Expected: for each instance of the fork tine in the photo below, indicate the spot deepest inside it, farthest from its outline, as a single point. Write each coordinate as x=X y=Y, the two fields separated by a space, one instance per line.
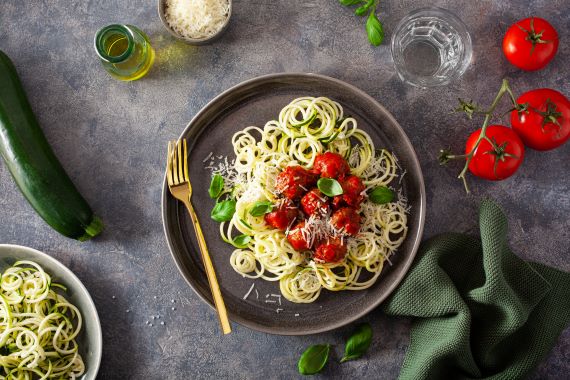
x=186 y=176
x=174 y=163
x=181 y=160
x=169 y=165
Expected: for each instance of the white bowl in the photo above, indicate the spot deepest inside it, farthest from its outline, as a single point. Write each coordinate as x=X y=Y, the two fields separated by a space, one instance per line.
x=90 y=339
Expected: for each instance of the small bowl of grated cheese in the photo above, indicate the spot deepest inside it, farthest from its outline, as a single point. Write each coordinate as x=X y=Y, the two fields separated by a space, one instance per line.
x=196 y=22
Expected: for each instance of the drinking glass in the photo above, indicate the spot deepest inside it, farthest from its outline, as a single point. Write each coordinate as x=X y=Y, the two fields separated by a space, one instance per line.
x=124 y=51
x=431 y=47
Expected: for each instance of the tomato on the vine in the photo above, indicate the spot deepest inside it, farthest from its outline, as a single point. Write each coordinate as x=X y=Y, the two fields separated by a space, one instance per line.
x=543 y=120
x=531 y=43
x=498 y=155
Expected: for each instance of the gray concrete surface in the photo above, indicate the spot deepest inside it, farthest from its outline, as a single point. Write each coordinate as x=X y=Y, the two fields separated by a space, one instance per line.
x=111 y=136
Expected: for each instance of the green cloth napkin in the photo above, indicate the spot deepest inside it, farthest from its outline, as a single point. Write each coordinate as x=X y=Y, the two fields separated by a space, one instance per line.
x=479 y=311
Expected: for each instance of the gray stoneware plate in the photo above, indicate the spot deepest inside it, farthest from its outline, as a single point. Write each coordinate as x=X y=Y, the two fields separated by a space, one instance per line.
x=90 y=339
x=254 y=102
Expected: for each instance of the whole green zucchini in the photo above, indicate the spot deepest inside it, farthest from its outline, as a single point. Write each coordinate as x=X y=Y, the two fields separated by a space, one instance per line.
x=35 y=168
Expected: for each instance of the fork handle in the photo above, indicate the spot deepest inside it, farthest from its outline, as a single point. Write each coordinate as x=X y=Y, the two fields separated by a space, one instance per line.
x=210 y=272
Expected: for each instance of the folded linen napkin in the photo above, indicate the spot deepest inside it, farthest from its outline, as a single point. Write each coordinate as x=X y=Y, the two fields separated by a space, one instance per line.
x=480 y=312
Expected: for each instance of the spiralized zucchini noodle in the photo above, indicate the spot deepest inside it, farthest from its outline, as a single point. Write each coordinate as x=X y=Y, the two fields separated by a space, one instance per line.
x=38 y=326
x=306 y=127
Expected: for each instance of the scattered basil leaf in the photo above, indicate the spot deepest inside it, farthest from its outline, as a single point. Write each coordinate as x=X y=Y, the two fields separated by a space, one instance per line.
x=329 y=187
x=348 y=3
x=261 y=208
x=314 y=359
x=224 y=210
x=358 y=343
x=381 y=195
x=241 y=241
x=361 y=11
x=216 y=186
x=374 y=29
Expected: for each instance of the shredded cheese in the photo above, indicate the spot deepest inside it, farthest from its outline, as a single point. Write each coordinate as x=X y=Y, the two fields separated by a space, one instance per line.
x=197 y=18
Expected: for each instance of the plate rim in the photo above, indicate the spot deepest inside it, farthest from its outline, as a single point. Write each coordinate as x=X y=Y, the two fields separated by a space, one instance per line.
x=69 y=272
x=417 y=238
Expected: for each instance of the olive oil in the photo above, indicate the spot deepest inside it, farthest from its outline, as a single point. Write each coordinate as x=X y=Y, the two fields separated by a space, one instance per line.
x=125 y=51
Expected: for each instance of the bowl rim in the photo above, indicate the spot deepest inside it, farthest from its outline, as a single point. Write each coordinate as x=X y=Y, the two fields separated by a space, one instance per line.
x=92 y=374
x=188 y=40
x=417 y=237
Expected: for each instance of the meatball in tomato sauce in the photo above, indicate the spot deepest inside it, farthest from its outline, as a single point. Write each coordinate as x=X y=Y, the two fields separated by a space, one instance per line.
x=294 y=181
x=347 y=220
x=330 y=165
x=330 y=251
x=297 y=236
x=283 y=215
x=315 y=202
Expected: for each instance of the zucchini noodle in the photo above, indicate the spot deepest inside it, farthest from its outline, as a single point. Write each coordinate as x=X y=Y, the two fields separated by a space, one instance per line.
x=38 y=326
x=306 y=127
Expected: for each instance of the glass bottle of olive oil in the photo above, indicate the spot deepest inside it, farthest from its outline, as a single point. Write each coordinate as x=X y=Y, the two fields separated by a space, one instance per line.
x=125 y=51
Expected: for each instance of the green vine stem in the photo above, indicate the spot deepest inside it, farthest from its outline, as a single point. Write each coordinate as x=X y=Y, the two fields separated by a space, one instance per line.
x=446 y=156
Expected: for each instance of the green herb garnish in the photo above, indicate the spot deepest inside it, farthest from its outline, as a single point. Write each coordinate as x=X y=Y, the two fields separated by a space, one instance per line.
x=216 y=186
x=261 y=208
x=374 y=28
x=224 y=211
x=314 y=359
x=329 y=187
x=358 y=343
x=241 y=241
x=381 y=195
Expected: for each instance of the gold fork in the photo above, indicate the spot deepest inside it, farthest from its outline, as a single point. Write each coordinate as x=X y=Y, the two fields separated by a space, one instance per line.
x=181 y=189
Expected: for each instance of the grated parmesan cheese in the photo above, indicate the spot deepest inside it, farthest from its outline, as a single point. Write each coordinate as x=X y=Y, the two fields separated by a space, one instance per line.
x=197 y=18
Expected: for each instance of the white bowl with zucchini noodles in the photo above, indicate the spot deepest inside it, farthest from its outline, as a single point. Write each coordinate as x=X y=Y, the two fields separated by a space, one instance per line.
x=49 y=326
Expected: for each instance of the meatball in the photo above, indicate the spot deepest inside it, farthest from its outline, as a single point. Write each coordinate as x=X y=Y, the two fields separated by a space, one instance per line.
x=315 y=202
x=346 y=219
x=331 y=165
x=282 y=216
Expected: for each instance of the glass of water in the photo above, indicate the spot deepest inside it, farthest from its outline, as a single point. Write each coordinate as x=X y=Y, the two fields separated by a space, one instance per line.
x=431 y=47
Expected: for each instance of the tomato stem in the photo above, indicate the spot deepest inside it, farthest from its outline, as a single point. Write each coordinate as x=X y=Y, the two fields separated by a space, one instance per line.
x=483 y=134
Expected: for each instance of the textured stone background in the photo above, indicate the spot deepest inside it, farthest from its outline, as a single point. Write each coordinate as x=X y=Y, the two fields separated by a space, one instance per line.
x=110 y=137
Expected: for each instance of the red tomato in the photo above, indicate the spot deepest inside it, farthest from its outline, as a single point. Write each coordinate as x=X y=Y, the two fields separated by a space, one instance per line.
x=545 y=124
x=315 y=202
x=330 y=165
x=499 y=161
x=347 y=220
x=297 y=236
x=531 y=43
x=294 y=181
x=283 y=216
x=330 y=251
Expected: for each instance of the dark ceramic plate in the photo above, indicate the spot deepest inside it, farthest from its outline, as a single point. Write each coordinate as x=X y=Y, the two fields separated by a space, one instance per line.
x=254 y=102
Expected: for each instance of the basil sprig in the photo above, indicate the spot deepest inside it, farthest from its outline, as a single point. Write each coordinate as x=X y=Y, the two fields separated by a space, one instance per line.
x=381 y=195
x=241 y=241
x=358 y=343
x=224 y=211
x=261 y=208
x=329 y=187
x=216 y=186
x=314 y=359
x=374 y=28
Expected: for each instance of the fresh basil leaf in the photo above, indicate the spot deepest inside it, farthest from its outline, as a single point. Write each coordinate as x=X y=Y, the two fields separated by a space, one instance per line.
x=241 y=241
x=381 y=195
x=361 y=11
x=314 y=359
x=224 y=210
x=374 y=29
x=348 y=3
x=261 y=208
x=329 y=186
x=216 y=186
x=358 y=343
